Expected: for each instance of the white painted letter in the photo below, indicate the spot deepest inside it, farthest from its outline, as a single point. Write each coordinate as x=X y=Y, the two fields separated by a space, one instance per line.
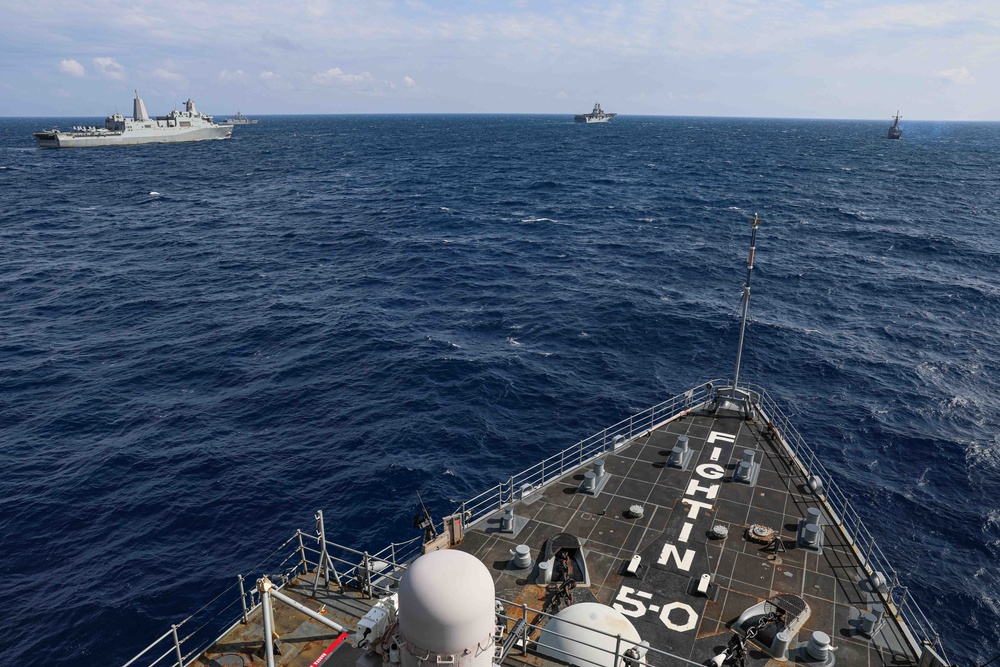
x=711 y=471
x=724 y=437
x=670 y=551
x=640 y=607
x=689 y=624
x=694 y=487
x=695 y=506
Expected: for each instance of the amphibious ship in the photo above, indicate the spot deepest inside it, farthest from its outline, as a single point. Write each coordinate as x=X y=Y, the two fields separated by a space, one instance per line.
x=894 y=131
x=598 y=115
x=701 y=531
x=187 y=125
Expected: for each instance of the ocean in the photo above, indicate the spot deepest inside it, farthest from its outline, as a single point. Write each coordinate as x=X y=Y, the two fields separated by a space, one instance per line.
x=202 y=344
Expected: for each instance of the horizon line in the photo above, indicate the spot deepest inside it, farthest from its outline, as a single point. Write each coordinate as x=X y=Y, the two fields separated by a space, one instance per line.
x=565 y=114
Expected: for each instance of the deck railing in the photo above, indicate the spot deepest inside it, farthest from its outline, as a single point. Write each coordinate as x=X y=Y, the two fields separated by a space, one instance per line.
x=588 y=449
x=298 y=555
x=375 y=573
x=871 y=555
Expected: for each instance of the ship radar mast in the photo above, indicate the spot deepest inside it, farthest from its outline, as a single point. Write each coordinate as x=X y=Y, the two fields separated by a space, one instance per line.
x=746 y=299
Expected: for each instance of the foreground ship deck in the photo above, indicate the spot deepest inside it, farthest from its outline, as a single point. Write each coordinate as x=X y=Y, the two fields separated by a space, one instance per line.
x=849 y=589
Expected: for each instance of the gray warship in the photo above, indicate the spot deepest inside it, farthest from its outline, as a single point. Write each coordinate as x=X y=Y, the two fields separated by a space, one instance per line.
x=187 y=125
x=894 y=131
x=700 y=531
x=598 y=115
x=238 y=119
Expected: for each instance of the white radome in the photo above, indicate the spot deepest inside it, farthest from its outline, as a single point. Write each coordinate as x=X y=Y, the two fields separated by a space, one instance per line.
x=447 y=607
x=564 y=639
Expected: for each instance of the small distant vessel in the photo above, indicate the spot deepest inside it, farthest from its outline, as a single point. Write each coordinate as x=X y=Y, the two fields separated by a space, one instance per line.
x=598 y=115
x=187 y=125
x=894 y=131
x=238 y=119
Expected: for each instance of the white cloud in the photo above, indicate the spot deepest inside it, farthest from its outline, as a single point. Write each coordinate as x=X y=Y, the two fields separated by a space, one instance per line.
x=274 y=81
x=959 y=75
x=168 y=75
x=110 y=68
x=335 y=75
x=410 y=83
x=72 y=68
x=238 y=75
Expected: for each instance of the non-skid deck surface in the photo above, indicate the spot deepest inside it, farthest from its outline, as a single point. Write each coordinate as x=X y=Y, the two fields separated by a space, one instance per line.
x=672 y=537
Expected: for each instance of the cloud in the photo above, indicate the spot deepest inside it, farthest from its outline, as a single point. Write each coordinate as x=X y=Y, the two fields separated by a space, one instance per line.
x=72 y=68
x=274 y=81
x=561 y=95
x=410 y=83
x=335 y=75
x=280 y=42
x=110 y=68
x=238 y=75
x=959 y=75
x=168 y=75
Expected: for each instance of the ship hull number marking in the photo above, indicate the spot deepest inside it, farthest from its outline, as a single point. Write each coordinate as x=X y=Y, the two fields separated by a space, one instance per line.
x=678 y=616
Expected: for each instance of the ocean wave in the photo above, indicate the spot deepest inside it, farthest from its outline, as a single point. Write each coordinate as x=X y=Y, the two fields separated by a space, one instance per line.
x=166 y=357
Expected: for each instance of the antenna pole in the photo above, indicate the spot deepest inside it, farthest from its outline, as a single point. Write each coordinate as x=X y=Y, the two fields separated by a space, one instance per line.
x=746 y=299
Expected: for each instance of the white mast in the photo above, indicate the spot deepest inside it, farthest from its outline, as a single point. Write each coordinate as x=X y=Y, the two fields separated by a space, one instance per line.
x=746 y=299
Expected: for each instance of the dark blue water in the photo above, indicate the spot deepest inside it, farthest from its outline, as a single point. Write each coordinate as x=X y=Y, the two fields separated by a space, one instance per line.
x=338 y=312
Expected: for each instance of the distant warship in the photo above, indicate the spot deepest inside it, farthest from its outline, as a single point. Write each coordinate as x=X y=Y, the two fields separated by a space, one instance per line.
x=596 y=116
x=894 y=131
x=187 y=125
x=238 y=119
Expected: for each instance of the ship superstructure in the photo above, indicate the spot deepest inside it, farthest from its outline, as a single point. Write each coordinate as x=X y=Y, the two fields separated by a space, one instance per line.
x=598 y=115
x=701 y=531
x=187 y=125
x=894 y=131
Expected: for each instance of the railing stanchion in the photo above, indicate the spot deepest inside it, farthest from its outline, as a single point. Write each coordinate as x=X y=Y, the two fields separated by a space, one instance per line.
x=243 y=600
x=177 y=647
x=524 y=630
x=618 y=648
x=302 y=550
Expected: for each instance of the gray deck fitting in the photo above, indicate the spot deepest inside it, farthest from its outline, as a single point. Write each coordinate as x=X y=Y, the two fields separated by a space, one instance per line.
x=494 y=523
x=684 y=456
x=681 y=455
x=749 y=467
x=600 y=483
x=801 y=541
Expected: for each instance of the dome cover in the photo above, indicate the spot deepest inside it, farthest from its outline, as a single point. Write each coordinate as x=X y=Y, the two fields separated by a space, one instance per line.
x=447 y=605
x=567 y=642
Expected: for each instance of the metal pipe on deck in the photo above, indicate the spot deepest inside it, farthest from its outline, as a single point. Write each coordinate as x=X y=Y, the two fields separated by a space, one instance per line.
x=277 y=595
x=264 y=586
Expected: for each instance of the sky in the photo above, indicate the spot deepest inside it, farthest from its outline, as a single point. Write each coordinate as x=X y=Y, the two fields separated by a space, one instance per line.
x=937 y=60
